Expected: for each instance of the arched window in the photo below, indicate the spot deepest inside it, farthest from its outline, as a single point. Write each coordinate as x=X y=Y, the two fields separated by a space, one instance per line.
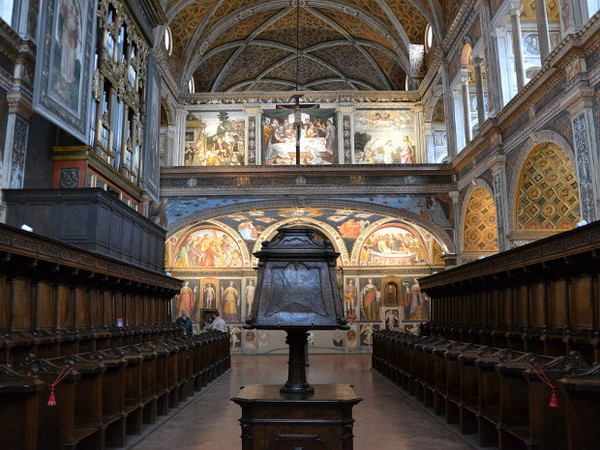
x=428 y=38
x=191 y=85
x=168 y=41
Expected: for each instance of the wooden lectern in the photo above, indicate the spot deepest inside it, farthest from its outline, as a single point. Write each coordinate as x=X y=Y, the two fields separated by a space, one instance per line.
x=297 y=291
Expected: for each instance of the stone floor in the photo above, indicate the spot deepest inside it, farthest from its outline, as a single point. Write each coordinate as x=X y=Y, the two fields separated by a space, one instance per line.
x=385 y=419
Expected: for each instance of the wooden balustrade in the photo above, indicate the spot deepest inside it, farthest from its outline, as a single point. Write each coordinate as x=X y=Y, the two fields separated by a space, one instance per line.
x=497 y=394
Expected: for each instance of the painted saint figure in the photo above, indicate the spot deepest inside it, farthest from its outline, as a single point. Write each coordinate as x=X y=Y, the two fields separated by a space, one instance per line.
x=370 y=301
x=350 y=298
x=210 y=296
x=187 y=299
x=230 y=302
x=249 y=292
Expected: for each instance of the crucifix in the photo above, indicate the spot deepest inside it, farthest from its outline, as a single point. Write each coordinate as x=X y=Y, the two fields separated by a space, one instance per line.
x=297 y=110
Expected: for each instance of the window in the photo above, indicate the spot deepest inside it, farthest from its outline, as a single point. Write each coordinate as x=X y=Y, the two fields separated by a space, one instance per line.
x=191 y=85
x=168 y=41
x=6 y=10
x=428 y=38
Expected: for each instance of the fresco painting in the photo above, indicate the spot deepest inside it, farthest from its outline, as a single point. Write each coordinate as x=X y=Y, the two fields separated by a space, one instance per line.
x=417 y=304
x=384 y=137
x=392 y=245
x=204 y=257
x=187 y=300
x=206 y=247
x=231 y=299
x=318 y=137
x=215 y=139
x=370 y=298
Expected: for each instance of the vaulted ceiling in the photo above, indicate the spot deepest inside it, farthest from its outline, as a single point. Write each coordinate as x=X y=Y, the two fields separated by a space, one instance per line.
x=318 y=45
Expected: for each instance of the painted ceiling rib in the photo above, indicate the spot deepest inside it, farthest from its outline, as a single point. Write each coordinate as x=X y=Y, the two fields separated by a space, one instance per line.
x=194 y=51
x=249 y=40
x=353 y=41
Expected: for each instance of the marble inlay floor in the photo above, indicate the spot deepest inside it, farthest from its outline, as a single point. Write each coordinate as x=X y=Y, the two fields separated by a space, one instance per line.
x=385 y=419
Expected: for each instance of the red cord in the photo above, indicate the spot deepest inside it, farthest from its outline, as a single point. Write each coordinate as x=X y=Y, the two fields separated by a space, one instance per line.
x=61 y=376
x=537 y=369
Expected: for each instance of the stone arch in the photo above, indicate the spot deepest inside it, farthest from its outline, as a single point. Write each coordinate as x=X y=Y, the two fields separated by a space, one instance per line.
x=436 y=231
x=478 y=226
x=185 y=235
x=331 y=233
x=546 y=192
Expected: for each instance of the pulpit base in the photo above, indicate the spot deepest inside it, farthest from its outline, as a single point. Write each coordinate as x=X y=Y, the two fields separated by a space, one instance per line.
x=275 y=421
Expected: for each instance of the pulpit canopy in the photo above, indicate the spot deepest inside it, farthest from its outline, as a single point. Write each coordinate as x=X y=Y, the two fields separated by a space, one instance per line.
x=297 y=285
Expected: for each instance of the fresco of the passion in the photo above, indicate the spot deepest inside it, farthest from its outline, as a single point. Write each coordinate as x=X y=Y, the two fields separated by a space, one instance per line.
x=392 y=245
x=384 y=137
x=215 y=139
x=318 y=137
x=205 y=247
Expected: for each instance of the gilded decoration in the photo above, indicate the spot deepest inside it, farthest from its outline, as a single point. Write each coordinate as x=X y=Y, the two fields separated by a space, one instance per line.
x=410 y=17
x=211 y=69
x=450 y=9
x=313 y=30
x=358 y=28
x=184 y=25
x=528 y=11
x=243 y=29
x=249 y=64
x=547 y=192
x=390 y=67
x=480 y=230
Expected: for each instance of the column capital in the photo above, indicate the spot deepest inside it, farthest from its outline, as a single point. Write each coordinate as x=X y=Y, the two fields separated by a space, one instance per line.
x=454 y=195
x=18 y=104
x=252 y=111
x=345 y=110
x=464 y=76
x=418 y=109
x=515 y=8
x=477 y=61
x=181 y=112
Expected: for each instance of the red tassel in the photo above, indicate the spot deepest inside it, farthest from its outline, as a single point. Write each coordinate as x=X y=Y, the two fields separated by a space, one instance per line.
x=51 y=397
x=553 y=399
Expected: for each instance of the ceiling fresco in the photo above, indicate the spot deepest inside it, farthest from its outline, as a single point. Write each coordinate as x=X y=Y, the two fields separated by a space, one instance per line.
x=252 y=45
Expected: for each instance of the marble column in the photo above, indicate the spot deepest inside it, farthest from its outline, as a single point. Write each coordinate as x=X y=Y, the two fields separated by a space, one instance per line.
x=420 y=140
x=517 y=42
x=466 y=103
x=449 y=111
x=177 y=152
x=479 y=91
x=541 y=17
x=429 y=143
x=501 y=201
x=492 y=67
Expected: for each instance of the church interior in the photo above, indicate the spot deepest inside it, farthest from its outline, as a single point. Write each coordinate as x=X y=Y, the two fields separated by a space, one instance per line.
x=449 y=151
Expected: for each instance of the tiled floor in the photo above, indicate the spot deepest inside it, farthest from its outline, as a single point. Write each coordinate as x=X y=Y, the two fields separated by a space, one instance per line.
x=385 y=419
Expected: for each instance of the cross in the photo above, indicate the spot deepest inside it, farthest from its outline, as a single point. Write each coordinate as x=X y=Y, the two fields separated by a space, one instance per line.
x=296 y=108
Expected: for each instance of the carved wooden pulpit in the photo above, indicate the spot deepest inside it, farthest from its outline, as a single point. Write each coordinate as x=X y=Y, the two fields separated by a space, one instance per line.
x=297 y=291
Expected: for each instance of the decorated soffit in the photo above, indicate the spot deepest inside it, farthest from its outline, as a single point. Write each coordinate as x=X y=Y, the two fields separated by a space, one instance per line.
x=248 y=45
